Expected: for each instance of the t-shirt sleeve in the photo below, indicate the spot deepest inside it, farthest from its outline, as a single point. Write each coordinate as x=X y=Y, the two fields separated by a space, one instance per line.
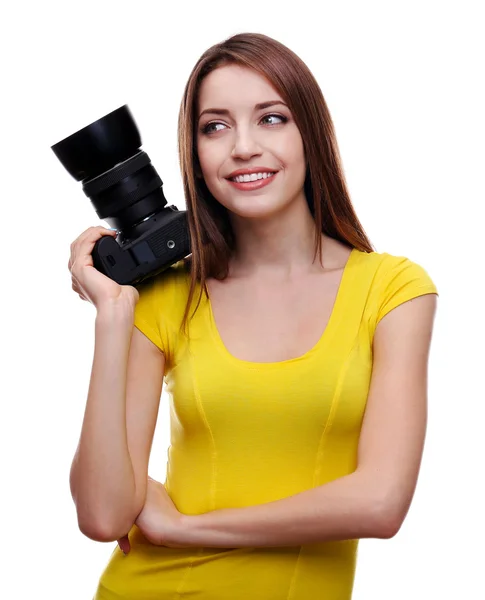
x=402 y=280
x=153 y=310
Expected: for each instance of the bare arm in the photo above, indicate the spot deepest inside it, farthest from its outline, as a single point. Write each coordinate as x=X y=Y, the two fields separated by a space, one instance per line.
x=110 y=468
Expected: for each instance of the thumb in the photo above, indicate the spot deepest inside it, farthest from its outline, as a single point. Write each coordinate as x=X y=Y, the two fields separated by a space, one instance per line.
x=124 y=544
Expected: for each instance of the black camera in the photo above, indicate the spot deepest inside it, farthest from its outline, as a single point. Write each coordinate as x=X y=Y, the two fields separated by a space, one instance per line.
x=126 y=191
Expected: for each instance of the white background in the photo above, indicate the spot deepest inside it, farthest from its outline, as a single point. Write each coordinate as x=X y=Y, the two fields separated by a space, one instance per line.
x=403 y=82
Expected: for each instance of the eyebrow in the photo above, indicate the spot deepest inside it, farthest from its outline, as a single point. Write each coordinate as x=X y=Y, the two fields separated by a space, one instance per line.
x=261 y=106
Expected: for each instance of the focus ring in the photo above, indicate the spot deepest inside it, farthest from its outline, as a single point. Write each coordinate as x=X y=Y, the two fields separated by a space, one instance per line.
x=116 y=174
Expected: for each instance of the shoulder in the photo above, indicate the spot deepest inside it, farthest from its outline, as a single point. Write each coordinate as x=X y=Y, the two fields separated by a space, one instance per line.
x=390 y=269
x=394 y=279
x=164 y=290
x=160 y=308
x=168 y=280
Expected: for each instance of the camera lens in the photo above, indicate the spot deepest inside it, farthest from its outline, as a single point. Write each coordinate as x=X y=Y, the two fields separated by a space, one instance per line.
x=118 y=178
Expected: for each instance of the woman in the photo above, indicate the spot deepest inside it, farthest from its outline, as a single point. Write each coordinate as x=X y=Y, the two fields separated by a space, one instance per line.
x=295 y=363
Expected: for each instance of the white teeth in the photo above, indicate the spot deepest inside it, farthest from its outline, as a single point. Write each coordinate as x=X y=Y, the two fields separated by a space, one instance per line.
x=252 y=177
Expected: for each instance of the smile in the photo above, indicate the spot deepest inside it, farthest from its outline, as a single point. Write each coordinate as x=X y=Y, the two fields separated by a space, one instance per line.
x=255 y=184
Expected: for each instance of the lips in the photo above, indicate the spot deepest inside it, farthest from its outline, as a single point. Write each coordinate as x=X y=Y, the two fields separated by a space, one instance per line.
x=253 y=185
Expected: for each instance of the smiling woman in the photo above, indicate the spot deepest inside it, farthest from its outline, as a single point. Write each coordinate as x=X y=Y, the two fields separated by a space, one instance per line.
x=291 y=378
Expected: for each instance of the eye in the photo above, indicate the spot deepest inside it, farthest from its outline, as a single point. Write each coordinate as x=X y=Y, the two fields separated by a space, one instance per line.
x=206 y=129
x=282 y=119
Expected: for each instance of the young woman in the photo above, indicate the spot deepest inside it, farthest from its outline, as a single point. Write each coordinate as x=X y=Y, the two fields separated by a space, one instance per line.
x=294 y=359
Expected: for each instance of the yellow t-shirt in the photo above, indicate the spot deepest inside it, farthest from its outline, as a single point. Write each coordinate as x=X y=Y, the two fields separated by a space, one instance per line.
x=246 y=433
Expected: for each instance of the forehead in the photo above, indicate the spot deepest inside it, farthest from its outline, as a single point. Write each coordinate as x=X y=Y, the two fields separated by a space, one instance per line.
x=233 y=86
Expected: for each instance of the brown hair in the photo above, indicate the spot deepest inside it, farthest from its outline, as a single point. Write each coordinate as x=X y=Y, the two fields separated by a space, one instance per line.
x=212 y=239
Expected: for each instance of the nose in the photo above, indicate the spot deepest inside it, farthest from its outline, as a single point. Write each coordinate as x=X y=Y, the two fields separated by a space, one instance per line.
x=245 y=145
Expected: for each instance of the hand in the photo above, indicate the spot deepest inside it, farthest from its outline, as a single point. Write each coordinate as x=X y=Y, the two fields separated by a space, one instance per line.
x=159 y=521
x=91 y=284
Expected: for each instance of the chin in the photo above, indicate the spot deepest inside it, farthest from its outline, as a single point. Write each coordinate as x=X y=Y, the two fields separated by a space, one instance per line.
x=255 y=211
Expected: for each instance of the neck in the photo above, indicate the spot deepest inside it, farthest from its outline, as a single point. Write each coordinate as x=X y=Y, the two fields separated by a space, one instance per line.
x=279 y=246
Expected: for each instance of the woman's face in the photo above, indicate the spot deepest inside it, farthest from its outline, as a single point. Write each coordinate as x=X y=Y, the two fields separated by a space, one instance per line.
x=246 y=136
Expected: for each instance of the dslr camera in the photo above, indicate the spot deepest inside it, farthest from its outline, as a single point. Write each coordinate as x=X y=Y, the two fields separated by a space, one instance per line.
x=126 y=191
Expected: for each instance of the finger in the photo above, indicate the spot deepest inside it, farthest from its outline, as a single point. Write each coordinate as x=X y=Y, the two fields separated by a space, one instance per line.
x=91 y=234
x=78 y=291
x=124 y=544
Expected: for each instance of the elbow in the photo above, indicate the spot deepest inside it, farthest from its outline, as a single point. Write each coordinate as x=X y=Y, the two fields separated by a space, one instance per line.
x=102 y=530
x=388 y=519
x=95 y=533
x=105 y=526
x=389 y=528
x=386 y=506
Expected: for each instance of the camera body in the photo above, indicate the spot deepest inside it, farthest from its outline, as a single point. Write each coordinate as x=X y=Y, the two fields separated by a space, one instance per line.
x=128 y=262
x=126 y=191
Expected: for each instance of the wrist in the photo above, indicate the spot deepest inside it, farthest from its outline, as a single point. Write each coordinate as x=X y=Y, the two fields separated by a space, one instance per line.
x=184 y=537
x=110 y=313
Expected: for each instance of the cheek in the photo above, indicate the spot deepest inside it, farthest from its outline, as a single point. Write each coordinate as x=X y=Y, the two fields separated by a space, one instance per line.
x=208 y=158
x=290 y=150
x=296 y=149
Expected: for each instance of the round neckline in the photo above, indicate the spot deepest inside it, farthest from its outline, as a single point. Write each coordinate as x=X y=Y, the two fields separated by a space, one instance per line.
x=325 y=337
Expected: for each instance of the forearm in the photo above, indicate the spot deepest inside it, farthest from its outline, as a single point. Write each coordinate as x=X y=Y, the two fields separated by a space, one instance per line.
x=102 y=478
x=346 y=508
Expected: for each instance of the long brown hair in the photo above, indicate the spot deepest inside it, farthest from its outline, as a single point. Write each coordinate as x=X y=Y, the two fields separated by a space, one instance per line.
x=211 y=235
